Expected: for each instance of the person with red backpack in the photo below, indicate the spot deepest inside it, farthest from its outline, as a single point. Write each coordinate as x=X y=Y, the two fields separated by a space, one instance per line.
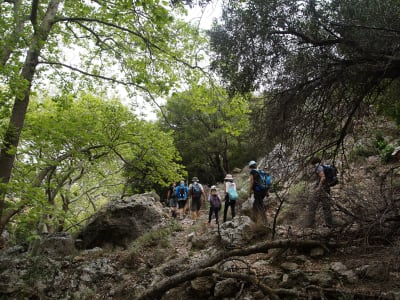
x=215 y=204
x=195 y=192
x=258 y=187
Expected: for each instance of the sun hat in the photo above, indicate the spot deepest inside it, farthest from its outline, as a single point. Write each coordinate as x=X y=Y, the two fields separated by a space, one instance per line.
x=213 y=187
x=228 y=177
x=195 y=179
x=252 y=163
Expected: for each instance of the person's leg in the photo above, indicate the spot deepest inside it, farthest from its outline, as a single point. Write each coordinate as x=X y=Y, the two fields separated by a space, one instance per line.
x=233 y=204
x=312 y=210
x=226 y=206
x=326 y=208
x=216 y=211
x=198 y=208
x=193 y=208
x=259 y=209
x=180 y=209
x=210 y=214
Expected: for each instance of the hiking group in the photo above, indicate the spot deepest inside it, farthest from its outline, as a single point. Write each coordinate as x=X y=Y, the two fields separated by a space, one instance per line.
x=183 y=198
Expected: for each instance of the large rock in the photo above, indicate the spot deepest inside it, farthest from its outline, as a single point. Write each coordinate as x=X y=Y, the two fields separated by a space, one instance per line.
x=121 y=221
x=238 y=232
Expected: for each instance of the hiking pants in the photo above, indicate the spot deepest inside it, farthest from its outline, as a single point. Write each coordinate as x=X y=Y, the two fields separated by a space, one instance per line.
x=323 y=197
x=228 y=204
x=214 y=210
x=259 y=208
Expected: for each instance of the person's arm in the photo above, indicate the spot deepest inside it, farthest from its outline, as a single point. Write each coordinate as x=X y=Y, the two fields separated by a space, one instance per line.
x=168 y=194
x=251 y=185
x=204 y=193
x=322 y=178
x=225 y=188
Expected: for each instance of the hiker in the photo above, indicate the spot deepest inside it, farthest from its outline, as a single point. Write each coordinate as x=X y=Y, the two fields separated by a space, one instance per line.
x=321 y=194
x=171 y=199
x=182 y=196
x=215 y=204
x=259 y=191
x=195 y=192
x=230 y=195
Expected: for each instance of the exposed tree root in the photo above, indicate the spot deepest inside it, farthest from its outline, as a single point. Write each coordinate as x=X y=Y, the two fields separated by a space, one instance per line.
x=206 y=268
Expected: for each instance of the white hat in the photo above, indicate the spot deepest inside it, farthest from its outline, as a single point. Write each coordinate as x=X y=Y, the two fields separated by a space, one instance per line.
x=213 y=187
x=252 y=163
x=228 y=177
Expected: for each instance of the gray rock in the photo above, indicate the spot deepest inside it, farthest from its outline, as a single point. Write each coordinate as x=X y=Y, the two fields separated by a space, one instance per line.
x=289 y=266
x=202 y=285
x=317 y=252
x=226 y=288
x=237 y=232
x=56 y=245
x=121 y=221
x=376 y=272
x=200 y=242
x=323 y=279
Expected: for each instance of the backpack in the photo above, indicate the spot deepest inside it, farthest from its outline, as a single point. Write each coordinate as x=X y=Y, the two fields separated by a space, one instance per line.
x=181 y=192
x=196 y=190
x=331 y=174
x=215 y=201
x=262 y=182
x=232 y=193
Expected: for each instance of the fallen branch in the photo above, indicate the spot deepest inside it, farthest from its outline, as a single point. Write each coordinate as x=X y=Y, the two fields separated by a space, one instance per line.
x=204 y=268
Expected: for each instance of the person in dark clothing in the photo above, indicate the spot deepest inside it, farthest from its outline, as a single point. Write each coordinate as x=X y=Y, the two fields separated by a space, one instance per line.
x=215 y=204
x=171 y=199
x=258 y=204
x=321 y=194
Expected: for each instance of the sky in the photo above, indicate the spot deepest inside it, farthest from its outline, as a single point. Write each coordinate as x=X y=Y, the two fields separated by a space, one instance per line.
x=204 y=18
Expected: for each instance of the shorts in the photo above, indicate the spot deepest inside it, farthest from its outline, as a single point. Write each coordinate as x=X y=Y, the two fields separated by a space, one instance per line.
x=173 y=202
x=181 y=203
x=196 y=204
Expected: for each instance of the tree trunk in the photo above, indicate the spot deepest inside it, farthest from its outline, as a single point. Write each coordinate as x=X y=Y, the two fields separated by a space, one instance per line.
x=13 y=133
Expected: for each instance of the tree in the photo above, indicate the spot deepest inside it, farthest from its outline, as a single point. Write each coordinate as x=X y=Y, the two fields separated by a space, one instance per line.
x=209 y=130
x=319 y=64
x=72 y=156
x=140 y=44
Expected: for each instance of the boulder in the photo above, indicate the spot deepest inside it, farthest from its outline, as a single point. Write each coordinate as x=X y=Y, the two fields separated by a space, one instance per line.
x=121 y=221
x=237 y=232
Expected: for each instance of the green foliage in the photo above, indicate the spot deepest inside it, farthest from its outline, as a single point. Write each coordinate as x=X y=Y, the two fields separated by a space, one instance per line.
x=385 y=149
x=321 y=63
x=63 y=173
x=74 y=46
x=388 y=103
x=209 y=130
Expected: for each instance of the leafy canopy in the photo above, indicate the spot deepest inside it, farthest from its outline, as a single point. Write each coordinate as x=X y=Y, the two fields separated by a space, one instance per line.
x=319 y=63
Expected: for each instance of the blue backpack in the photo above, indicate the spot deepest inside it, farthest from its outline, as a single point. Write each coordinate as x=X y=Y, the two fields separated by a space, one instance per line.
x=196 y=190
x=181 y=192
x=232 y=193
x=262 y=182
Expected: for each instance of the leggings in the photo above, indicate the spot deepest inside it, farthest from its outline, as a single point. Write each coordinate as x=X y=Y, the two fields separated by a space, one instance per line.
x=214 y=210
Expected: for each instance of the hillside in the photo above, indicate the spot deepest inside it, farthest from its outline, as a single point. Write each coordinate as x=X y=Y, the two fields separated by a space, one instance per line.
x=186 y=259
